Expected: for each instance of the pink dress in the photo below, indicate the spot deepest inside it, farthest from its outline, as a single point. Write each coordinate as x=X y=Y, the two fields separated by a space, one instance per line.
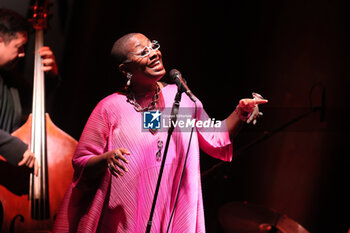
x=123 y=204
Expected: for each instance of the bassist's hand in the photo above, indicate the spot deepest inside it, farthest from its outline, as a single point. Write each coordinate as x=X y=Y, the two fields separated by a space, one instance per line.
x=30 y=161
x=48 y=61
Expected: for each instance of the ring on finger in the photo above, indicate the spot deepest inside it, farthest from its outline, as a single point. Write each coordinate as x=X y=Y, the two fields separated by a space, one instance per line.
x=257 y=96
x=116 y=155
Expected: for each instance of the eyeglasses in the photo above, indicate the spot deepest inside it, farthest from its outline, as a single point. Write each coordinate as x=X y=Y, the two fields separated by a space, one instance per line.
x=147 y=49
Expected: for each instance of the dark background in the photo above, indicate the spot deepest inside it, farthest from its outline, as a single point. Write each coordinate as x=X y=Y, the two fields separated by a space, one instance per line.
x=289 y=51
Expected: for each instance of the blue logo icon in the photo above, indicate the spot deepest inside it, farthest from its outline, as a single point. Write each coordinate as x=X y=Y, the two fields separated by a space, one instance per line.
x=151 y=119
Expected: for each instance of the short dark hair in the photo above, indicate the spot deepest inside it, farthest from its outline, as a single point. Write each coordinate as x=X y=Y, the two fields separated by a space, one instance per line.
x=11 y=23
x=119 y=51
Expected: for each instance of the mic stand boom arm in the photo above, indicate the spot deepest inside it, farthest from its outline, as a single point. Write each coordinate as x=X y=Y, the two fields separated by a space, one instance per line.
x=264 y=137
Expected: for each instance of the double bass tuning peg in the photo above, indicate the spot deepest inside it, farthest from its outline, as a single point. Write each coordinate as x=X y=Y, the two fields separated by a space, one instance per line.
x=40 y=14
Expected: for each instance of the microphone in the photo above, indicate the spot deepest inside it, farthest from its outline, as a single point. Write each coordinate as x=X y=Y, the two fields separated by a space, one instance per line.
x=176 y=77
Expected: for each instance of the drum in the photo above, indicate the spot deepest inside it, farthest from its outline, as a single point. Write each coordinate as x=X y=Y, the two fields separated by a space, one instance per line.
x=244 y=217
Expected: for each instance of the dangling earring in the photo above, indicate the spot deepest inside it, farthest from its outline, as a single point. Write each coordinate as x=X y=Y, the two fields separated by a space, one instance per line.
x=128 y=76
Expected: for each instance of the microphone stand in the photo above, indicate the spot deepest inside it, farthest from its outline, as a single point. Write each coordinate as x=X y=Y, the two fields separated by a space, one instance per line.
x=174 y=112
x=264 y=137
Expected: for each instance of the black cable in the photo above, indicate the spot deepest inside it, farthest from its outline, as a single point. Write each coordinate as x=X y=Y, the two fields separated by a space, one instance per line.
x=183 y=170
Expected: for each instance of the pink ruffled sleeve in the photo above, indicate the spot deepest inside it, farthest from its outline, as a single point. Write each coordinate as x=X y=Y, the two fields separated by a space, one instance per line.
x=93 y=141
x=215 y=141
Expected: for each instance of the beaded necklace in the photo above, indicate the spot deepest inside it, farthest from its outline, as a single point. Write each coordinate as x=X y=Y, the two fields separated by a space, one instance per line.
x=132 y=100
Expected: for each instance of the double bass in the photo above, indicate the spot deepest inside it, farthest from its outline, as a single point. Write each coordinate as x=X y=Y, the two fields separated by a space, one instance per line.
x=29 y=203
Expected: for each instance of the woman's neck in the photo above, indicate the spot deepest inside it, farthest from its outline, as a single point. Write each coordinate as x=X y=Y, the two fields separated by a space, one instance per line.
x=147 y=96
x=144 y=90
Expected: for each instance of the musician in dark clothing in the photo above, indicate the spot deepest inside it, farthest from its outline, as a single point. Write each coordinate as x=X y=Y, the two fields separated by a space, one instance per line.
x=13 y=37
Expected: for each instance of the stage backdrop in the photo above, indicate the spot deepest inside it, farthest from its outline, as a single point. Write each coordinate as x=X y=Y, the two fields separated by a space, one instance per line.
x=292 y=52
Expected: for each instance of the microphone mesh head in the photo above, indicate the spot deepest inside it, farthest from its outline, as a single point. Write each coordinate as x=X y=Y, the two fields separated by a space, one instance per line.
x=174 y=75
